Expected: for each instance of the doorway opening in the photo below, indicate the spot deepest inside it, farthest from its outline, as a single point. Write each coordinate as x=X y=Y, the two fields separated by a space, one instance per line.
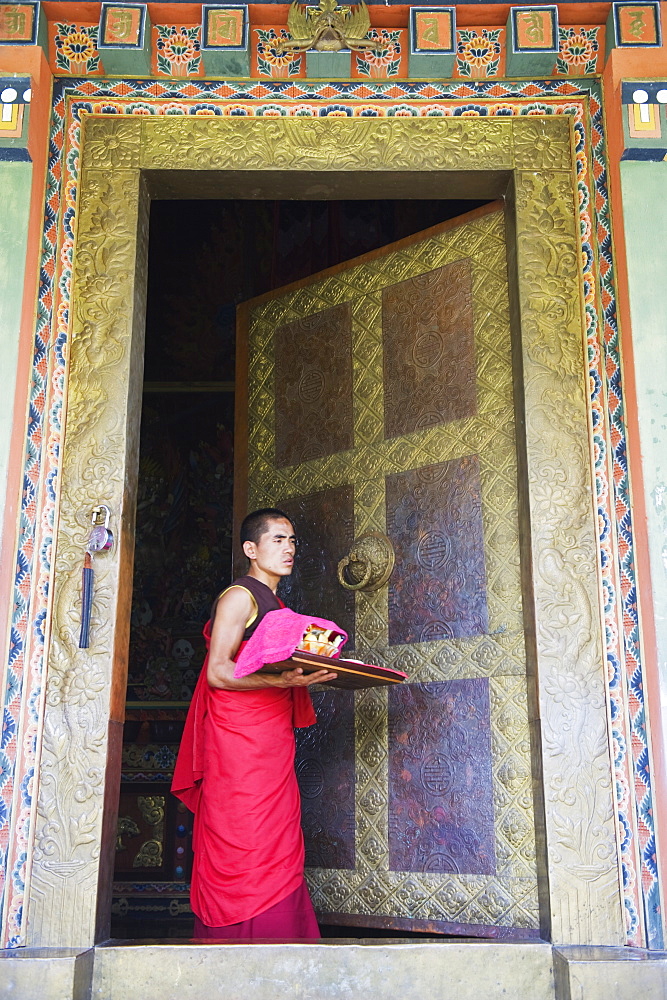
x=204 y=258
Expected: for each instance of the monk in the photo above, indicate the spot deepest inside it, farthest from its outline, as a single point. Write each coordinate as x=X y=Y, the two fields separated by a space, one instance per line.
x=235 y=768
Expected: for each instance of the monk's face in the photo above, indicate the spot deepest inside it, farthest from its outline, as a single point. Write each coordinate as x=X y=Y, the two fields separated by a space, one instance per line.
x=274 y=552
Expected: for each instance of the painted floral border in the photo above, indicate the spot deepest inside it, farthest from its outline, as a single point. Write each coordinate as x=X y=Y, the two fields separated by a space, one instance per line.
x=176 y=52
x=24 y=691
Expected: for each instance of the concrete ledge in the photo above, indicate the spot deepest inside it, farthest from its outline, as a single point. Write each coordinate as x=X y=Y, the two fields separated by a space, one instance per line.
x=609 y=973
x=337 y=971
x=340 y=970
x=45 y=974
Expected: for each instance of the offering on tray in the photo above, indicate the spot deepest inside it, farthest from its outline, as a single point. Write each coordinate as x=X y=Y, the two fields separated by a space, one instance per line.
x=349 y=673
x=325 y=642
x=284 y=640
x=278 y=635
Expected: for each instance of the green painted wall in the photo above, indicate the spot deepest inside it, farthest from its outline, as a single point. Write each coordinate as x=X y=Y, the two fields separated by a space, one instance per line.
x=15 y=180
x=644 y=186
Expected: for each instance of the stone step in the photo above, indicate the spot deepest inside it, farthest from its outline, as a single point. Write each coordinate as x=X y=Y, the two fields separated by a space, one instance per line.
x=340 y=970
x=336 y=970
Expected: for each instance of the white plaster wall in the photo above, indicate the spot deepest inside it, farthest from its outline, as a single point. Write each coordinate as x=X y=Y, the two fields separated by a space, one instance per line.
x=15 y=181
x=644 y=187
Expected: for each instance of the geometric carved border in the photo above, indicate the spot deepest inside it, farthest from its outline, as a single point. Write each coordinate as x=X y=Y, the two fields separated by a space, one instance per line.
x=561 y=555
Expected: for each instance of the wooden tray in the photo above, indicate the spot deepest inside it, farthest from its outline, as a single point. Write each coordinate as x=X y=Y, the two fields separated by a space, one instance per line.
x=351 y=673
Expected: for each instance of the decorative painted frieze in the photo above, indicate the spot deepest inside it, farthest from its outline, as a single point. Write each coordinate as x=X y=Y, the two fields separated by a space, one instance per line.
x=645 y=119
x=532 y=40
x=15 y=94
x=124 y=39
x=358 y=99
x=23 y=23
x=73 y=48
x=329 y=65
x=389 y=60
x=15 y=90
x=432 y=41
x=479 y=52
x=268 y=61
x=634 y=25
x=225 y=39
x=579 y=50
x=225 y=44
x=178 y=50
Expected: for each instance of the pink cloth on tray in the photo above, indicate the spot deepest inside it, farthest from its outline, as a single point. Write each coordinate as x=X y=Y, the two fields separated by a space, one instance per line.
x=275 y=639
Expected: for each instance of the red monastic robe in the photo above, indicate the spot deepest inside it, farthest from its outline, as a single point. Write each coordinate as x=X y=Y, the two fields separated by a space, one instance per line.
x=235 y=772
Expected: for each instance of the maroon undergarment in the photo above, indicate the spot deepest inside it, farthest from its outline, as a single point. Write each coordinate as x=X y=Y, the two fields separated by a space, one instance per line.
x=293 y=918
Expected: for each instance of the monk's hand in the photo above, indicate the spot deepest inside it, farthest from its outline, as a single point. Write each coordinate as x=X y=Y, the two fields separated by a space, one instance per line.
x=297 y=678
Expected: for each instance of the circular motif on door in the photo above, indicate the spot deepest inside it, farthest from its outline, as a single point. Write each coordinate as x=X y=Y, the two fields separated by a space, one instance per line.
x=311 y=778
x=441 y=863
x=436 y=630
x=311 y=386
x=311 y=449
x=427 y=349
x=437 y=774
x=432 y=473
x=433 y=550
x=428 y=419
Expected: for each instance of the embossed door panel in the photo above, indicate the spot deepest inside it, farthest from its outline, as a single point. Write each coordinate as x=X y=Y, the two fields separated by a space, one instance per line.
x=325 y=769
x=434 y=520
x=380 y=398
x=326 y=528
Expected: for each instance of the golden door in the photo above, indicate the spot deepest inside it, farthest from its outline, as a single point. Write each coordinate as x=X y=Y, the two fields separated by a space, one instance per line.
x=380 y=403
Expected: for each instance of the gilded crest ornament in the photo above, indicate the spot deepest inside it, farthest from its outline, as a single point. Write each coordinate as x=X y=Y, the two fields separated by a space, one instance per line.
x=328 y=29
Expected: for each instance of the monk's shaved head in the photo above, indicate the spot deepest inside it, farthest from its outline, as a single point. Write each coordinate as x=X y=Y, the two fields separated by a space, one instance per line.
x=257 y=523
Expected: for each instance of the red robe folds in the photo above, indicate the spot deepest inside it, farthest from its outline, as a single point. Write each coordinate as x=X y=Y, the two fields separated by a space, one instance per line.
x=235 y=772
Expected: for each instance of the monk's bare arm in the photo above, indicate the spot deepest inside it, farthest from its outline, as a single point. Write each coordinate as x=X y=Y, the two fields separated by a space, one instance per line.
x=232 y=612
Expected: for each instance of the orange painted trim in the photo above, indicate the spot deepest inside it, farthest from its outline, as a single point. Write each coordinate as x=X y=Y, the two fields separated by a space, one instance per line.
x=27 y=61
x=180 y=13
x=648 y=64
x=396 y=16
x=468 y=15
x=74 y=13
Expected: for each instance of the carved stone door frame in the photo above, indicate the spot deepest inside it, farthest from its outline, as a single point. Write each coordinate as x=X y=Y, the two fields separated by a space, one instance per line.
x=125 y=161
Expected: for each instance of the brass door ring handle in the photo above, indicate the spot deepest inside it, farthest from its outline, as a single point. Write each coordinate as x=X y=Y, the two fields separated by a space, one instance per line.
x=365 y=579
x=369 y=563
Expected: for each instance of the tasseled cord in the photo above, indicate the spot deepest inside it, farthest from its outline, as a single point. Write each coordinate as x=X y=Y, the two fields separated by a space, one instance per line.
x=86 y=601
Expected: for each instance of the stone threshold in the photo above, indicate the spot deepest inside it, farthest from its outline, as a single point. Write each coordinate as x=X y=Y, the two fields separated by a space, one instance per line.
x=338 y=969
